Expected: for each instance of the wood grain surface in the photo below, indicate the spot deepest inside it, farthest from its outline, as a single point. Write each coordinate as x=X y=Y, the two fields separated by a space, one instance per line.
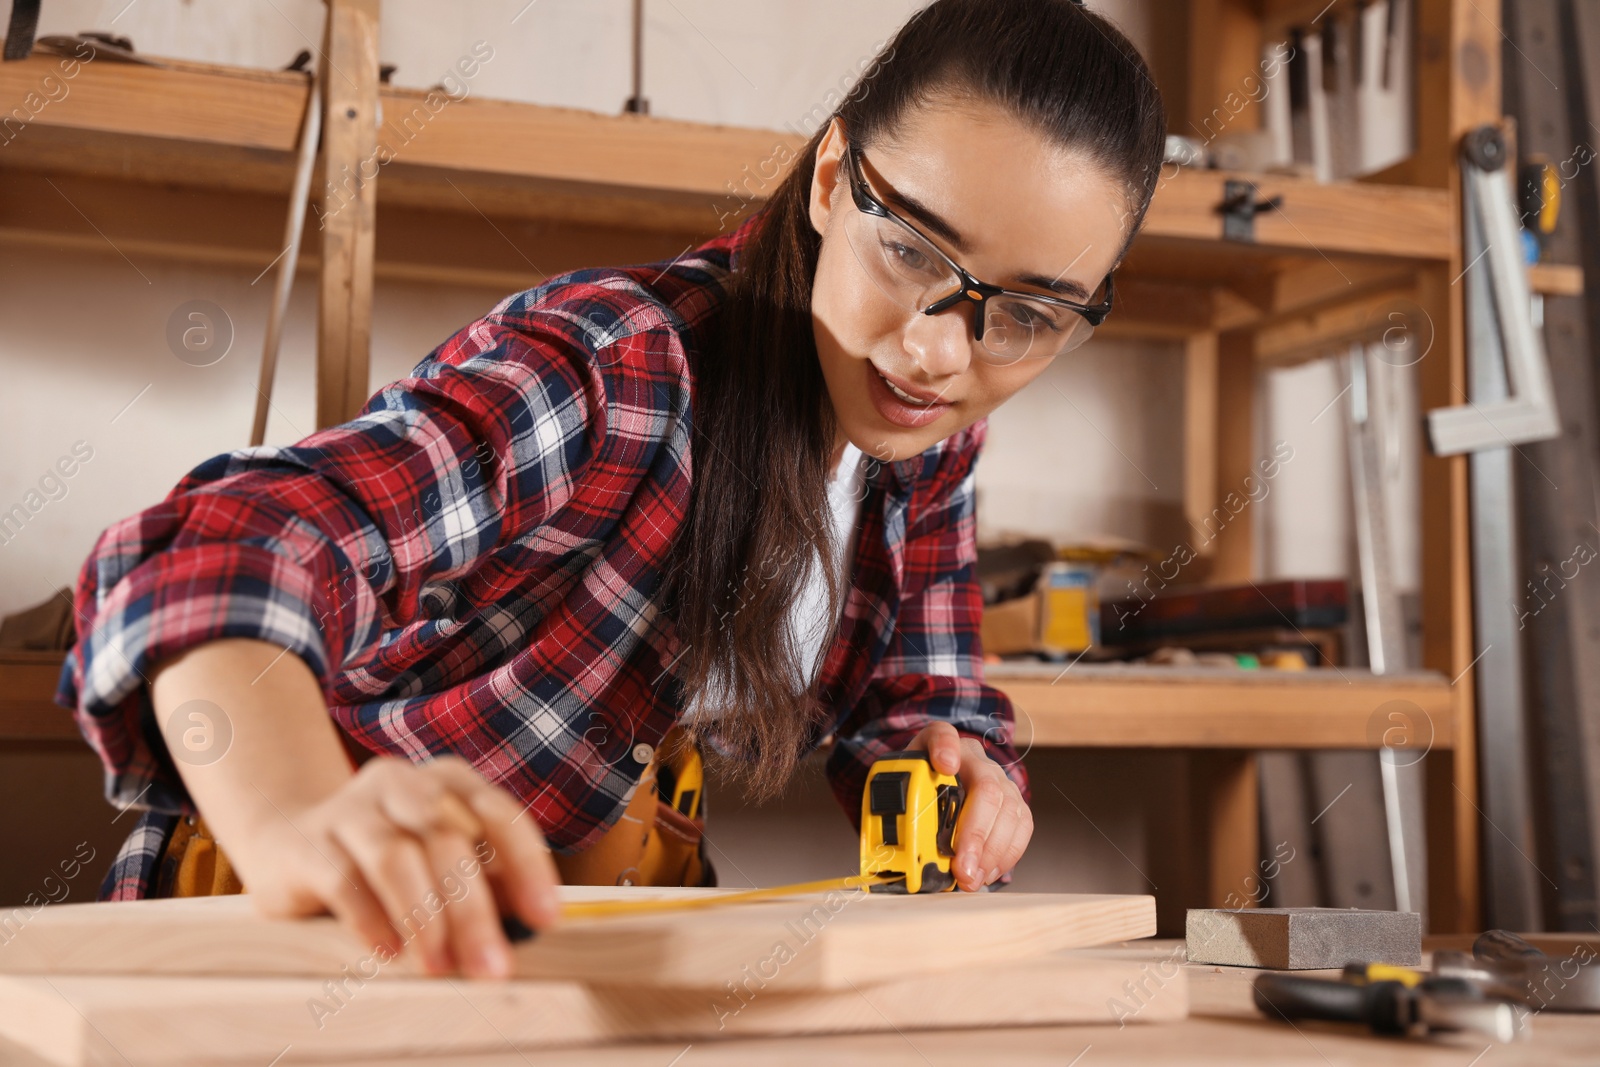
x=89 y=1021
x=833 y=941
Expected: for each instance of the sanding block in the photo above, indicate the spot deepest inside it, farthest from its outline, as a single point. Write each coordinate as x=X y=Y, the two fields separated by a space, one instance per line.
x=1303 y=939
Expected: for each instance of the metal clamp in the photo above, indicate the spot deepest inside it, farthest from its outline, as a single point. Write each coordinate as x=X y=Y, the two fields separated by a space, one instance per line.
x=1240 y=206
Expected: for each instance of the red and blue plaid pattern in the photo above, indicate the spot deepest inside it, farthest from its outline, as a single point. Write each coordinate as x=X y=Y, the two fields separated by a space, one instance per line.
x=472 y=565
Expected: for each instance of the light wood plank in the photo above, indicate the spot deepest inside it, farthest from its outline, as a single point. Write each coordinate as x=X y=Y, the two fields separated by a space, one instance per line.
x=228 y=128
x=1116 y=707
x=835 y=940
x=85 y=1022
x=1556 y=279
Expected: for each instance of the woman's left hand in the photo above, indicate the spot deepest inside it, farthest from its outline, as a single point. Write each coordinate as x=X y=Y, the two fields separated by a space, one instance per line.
x=995 y=823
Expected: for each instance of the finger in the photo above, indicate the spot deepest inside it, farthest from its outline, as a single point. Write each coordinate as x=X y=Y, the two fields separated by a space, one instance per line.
x=476 y=939
x=522 y=865
x=942 y=744
x=984 y=801
x=993 y=859
x=1013 y=852
x=396 y=868
x=339 y=885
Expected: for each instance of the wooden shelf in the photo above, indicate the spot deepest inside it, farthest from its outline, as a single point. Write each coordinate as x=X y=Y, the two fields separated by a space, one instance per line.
x=193 y=161
x=27 y=712
x=1143 y=707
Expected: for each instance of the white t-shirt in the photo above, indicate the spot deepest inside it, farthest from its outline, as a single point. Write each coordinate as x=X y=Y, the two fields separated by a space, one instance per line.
x=809 y=621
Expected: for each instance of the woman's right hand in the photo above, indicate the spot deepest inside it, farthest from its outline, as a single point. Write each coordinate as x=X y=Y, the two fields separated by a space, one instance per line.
x=391 y=854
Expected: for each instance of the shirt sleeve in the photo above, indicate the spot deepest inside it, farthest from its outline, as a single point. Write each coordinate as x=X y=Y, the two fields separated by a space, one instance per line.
x=323 y=545
x=932 y=670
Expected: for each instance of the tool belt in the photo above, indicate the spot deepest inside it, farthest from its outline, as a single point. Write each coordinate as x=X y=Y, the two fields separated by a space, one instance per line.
x=658 y=841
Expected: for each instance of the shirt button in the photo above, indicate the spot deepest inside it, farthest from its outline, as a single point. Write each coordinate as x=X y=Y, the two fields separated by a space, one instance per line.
x=643 y=753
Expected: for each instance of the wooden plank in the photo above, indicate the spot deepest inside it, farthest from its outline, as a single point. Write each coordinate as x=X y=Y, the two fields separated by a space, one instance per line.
x=1556 y=279
x=85 y=1021
x=224 y=127
x=244 y=229
x=347 y=214
x=1223 y=1027
x=28 y=711
x=835 y=940
x=1117 y=707
x=1319 y=218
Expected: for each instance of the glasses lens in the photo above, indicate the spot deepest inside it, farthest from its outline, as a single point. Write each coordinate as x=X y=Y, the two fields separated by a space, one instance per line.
x=905 y=267
x=1017 y=328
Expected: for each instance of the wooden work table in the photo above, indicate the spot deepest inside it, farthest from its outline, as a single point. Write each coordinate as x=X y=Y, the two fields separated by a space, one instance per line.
x=1223 y=1028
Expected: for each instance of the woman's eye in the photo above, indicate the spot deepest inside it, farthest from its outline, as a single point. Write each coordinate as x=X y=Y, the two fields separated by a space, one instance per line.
x=910 y=257
x=1033 y=318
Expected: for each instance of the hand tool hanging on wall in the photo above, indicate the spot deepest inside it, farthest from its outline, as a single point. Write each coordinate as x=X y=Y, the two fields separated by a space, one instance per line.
x=1500 y=320
x=1511 y=402
x=637 y=104
x=24 y=24
x=1400 y=770
x=294 y=226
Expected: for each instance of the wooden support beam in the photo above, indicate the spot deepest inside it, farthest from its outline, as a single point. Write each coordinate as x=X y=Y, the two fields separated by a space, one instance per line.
x=1225 y=792
x=1199 y=436
x=1225 y=84
x=1447 y=632
x=348 y=209
x=1458 y=89
x=1332 y=330
x=1229 y=522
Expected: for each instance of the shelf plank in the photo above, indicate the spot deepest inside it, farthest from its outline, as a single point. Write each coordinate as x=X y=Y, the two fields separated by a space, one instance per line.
x=226 y=128
x=1160 y=707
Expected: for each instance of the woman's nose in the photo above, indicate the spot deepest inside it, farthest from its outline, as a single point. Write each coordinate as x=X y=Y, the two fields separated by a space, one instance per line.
x=941 y=345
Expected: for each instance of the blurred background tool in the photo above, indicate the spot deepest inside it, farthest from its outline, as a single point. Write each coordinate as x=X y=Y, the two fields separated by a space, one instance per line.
x=1408 y=1005
x=1568 y=984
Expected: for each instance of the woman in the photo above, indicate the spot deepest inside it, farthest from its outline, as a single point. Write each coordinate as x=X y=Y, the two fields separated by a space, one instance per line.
x=732 y=494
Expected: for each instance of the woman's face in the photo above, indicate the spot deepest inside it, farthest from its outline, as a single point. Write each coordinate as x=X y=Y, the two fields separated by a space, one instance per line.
x=1000 y=201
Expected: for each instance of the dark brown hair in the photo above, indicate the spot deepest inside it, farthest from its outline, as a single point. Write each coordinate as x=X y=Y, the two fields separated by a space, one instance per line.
x=763 y=425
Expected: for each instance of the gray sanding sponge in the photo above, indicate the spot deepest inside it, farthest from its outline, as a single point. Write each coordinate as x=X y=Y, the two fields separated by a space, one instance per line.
x=1303 y=939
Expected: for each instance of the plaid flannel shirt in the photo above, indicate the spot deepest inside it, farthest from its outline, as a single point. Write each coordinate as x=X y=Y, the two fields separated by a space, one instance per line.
x=472 y=565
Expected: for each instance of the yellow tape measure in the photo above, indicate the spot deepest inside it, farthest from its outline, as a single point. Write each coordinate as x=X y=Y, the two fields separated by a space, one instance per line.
x=909 y=813
x=594 y=909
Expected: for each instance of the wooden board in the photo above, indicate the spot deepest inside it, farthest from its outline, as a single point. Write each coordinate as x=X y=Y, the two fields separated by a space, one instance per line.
x=1119 y=706
x=834 y=941
x=94 y=1020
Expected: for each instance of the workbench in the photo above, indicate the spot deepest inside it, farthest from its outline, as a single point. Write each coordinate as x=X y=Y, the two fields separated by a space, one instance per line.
x=1223 y=1027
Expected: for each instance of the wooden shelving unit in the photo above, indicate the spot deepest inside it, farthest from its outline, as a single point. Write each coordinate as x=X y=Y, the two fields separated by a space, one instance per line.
x=193 y=162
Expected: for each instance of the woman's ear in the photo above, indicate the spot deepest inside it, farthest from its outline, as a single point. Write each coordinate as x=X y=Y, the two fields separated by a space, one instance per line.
x=825 y=175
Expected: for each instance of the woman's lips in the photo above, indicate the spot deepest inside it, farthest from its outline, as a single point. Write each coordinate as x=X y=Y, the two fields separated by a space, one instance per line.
x=899 y=411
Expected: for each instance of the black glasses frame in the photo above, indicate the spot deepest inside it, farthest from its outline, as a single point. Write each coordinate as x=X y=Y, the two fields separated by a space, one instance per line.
x=971 y=289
